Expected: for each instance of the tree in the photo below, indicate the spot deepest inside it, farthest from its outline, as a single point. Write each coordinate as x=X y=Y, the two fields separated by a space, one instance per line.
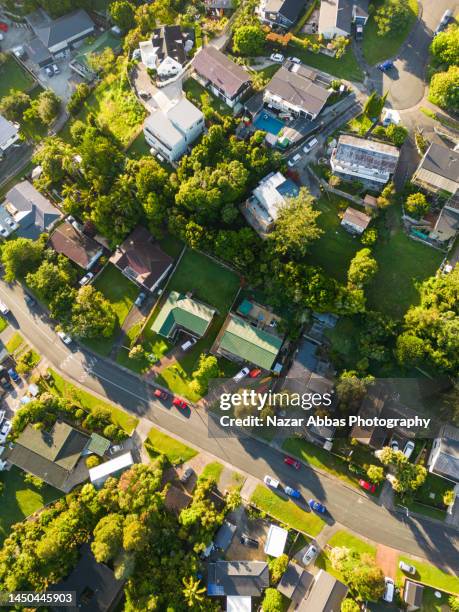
x=375 y=474
x=249 y=40
x=349 y=605
x=103 y=61
x=135 y=534
x=45 y=108
x=272 y=601
x=369 y=236
x=14 y=105
x=76 y=101
x=362 y=268
x=453 y=602
x=392 y=17
x=374 y=105
x=351 y=389
x=207 y=370
x=449 y=497
x=108 y=535
x=397 y=134
x=365 y=578
x=137 y=352
x=277 y=567
x=445 y=45
x=296 y=226
x=50 y=278
x=57 y=159
x=410 y=349
x=20 y=256
x=92 y=315
x=192 y=591
x=92 y=461
x=417 y=205
x=122 y=14
x=444 y=90
x=233 y=499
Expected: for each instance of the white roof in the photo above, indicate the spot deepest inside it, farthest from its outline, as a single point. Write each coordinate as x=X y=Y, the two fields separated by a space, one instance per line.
x=275 y=542
x=184 y=114
x=169 y=66
x=7 y=130
x=148 y=53
x=238 y=603
x=268 y=195
x=159 y=124
x=110 y=467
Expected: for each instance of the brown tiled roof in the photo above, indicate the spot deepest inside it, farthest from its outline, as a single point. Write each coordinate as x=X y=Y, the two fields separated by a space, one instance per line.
x=78 y=247
x=356 y=217
x=213 y=65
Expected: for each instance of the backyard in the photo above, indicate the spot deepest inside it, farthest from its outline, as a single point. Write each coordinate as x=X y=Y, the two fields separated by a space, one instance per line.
x=200 y=96
x=13 y=76
x=346 y=67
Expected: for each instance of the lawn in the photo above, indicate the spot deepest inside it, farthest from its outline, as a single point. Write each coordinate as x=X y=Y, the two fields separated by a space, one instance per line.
x=197 y=94
x=431 y=506
x=66 y=389
x=377 y=48
x=346 y=67
x=3 y=324
x=14 y=343
x=360 y=125
x=13 y=76
x=212 y=471
x=430 y=575
x=17 y=346
x=20 y=499
x=286 y=511
x=344 y=539
x=158 y=443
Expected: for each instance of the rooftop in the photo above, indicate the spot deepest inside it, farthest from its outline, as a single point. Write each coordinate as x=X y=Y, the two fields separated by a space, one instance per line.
x=356 y=217
x=51 y=32
x=31 y=210
x=326 y=594
x=7 y=130
x=290 y=9
x=170 y=41
x=244 y=578
x=180 y=310
x=440 y=167
x=354 y=152
x=220 y=70
x=184 y=114
x=335 y=14
x=413 y=593
x=275 y=541
x=75 y=245
x=111 y=467
x=300 y=87
x=295 y=583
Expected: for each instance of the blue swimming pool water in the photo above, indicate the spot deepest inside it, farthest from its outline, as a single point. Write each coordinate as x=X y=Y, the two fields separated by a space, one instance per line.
x=266 y=122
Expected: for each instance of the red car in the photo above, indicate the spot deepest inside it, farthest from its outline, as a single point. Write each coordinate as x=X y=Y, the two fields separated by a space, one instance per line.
x=371 y=488
x=161 y=394
x=179 y=403
x=254 y=373
x=293 y=462
x=3 y=26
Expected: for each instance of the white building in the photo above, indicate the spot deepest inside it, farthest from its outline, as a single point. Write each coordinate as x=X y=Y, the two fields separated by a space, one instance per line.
x=99 y=474
x=166 y=51
x=9 y=134
x=336 y=17
x=172 y=129
x=275 y=541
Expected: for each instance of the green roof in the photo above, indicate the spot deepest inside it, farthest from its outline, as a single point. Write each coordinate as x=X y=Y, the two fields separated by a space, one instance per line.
x=182 y=311
x=245 y=307
x=98 y=444
x=249 y=343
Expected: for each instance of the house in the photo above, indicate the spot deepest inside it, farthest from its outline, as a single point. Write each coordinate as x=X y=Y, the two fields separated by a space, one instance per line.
x=280 y=13
x=241 y=341
x=275 y=541
x=359 y=159
x=325 y=594
x=26 y=211
x=63 y=34
x=224 y=536
x=183 y=313
x=444 y=456
x=141 y=259
x=261 y=209
x=55 y=455
x=38 y=53
x=171 y=130
x=166 y=51
x=355 y=221
x=93 y=583
x=446 y=227
x=297 y=90
x=237 y=579
x=9 y=134
x=413 y=593
x=337 y=16
x=77 y=246
x=226 y=79
x=113 y=468
x=219 y=7
x=295 y=583
x=438 y=171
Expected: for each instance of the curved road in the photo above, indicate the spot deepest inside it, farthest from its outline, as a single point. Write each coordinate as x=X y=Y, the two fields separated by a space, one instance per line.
x=347 y=506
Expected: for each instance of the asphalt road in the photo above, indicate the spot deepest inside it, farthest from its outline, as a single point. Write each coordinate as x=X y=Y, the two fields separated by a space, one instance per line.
x=347 y=506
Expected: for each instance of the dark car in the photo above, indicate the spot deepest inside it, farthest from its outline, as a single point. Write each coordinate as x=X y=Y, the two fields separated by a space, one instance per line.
x=317 y=506
x=161 y=394
x=385 y=66
x=29 y=300
x=14 y=375
x=246 y=541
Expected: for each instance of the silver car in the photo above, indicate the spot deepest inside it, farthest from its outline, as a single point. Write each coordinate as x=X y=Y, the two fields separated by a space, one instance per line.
x=310 y=555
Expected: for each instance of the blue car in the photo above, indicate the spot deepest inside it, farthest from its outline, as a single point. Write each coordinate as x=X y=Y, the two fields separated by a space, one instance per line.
x=317 y=506
x=13 y=374
x=387 y=65
x=292 y=492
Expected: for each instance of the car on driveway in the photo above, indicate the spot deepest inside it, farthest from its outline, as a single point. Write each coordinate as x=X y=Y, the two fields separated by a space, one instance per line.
x=409 y=448
x=277 y=57
x=115 y=448
x=4 y=431
x=86 y=279
x=292 y=492
x=66 y=339
x=295 y=60
x=389 y=590
x=49 y=71
x=406 y=567
x=161 y=394
x=241 y=374
x=180 y=403
x=370 y=487
x=317 y=506
x=28 y=299
x=55 y=68
x=310 y=554
x=187 y=474
x=293 y=462
x=14 y=375
x=385 y=66
x=188 y=344
x=254 y=373
x=295 y=159
x=247 y=541
x=4 y=308
x=271 y=482
x=139 y=300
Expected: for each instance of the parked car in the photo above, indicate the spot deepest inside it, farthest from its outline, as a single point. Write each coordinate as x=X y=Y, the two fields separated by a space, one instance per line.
x=139 y=300
x=188 y=344
x=87 y=278
x=389 y=590
x=2 y=416
x=295 y=159
x=295 y=60
x=187 y=474
x=317 y=506
x=161 y=394
x=14 y=375
x=29 y=300
x=241 y=374
x=145 y=95
x=4 y=26
x=115 y=448
x=292 y=492
x=293 y=462
x=394 y=445
x=49 y=71
x=4 y=308
x=277 y=57
x=409 y=448
x=55 y=68
x=370 y=487
x=271 y=482
x=385 y=66
x=66 y=339
x=310 y=145
x=310 y=554
x=4 y=431
x=254 y=373
x=444 y=21
x=180 y=403
x=406 y=567
x=246 y=541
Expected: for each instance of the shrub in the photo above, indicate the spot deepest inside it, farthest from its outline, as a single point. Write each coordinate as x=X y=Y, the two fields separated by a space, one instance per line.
x=92 y=461
x=369 y=236
x=75 y=103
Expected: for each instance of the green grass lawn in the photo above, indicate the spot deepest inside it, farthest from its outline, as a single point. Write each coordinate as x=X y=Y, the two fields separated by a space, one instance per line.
x=431 y=603
x=430 y=575
x=344 y=539
x=212 y=471
x=66 y=389
x=158 y=443
x=377 y=48
x=3 y=324
x=360 y=125
x=286 y=511
x=13 y=76
x=346 y=67
x=20 y=499
x=14 y=343
x=197 y=94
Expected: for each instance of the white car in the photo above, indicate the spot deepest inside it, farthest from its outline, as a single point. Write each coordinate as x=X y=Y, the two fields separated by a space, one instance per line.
x=394 y=445
x=87 y=278
x=310 y=554
x=66 y=339
x=405 y=567
x=241 y=374
x=116 y=448
x=389 y=590
x=295 y=159
x=295 y=60
x=4 y=431
x=2 y=415
x=310 y=145
x=4 y=308
x=277 y=57
x=409 y=448
x=188 y=344
x=55 y=68
x=271 y=482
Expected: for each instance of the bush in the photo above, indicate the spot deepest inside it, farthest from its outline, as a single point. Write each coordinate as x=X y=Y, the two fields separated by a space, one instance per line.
x=75 y=103
x=79 y=414
x=369 y=236
x=397 y=134
x=272 y=601
x=277 y=568
x=92 y=461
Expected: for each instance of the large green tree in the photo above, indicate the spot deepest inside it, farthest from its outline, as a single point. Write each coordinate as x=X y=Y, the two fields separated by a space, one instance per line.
x=362 y=268
x=21 y=256
x=392 y=16
x=249 y=40
x=122 y=13
x=92 y=315
x=444 y=90
x=445 y=45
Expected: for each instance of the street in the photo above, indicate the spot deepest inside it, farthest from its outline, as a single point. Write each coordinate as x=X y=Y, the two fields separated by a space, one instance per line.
x=349 y=507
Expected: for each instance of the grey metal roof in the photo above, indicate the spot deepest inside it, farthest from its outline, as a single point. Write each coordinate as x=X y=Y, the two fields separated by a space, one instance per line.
x=447 y=225
x=447 y=463
x=54 y=31
x=7 y=130
x=247 y=578
x=38 y=53
x=225 y=535
x=290 y=9
x=213 y=65
x=442 y=161
x=299 y=88
x=326 y=595
x=170 y=39
x=295 y=583
x=31 y=210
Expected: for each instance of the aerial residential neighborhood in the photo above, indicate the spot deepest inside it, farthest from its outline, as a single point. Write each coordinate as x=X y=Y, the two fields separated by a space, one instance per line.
x=229 y=305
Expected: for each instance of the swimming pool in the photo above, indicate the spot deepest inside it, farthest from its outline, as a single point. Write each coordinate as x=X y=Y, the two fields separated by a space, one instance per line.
x=268 y=123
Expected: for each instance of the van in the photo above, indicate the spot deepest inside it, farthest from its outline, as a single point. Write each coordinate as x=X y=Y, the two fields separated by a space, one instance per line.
x=295 y=159
x=389 y=590
x=188 y=344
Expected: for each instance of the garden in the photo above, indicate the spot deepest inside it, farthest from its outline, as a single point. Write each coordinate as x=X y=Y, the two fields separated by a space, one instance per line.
x=200 y=96
x=13 y=76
